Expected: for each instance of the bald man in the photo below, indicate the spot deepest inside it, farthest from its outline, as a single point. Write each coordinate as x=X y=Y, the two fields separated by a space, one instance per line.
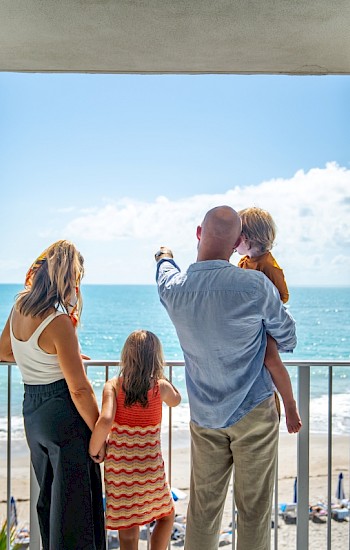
x=222 y=314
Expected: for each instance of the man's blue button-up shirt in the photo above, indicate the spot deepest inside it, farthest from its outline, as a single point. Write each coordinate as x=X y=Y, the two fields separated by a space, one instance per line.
x=221 y=314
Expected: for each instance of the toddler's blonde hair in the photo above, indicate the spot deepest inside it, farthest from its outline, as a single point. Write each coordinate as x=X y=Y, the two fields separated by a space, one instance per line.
x=258 y=228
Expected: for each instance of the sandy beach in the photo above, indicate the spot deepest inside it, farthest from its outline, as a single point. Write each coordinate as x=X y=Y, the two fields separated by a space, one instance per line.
x=181 y=475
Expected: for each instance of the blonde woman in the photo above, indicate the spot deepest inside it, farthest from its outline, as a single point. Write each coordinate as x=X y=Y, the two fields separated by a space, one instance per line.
x=59 y=407
x=137 y=492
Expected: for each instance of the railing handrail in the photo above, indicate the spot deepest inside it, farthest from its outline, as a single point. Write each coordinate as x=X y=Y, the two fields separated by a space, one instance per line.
x=304 y=376
x=176 y=363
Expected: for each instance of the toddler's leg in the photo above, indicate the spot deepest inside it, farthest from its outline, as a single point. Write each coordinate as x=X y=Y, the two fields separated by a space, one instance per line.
x=283 y=384
x=272 y=356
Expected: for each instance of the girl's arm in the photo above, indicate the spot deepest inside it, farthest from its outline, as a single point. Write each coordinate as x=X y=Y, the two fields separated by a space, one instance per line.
x=5 y=344
x=105 y=421
x=169 y=393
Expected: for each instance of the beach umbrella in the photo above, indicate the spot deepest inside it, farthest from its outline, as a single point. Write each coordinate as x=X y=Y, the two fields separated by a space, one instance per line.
x=177 y=494
x=295 y=492
x=340 y=494
x=13 y=516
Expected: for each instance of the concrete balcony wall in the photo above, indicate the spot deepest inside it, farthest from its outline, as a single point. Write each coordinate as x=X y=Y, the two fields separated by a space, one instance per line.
x=162 y=36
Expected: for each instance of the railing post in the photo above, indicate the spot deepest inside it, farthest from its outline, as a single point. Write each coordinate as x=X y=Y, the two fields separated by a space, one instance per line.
x=303 y=459
x=8 y=460
x=170 y=433
x=35 y=542
x=275 y=519
x=233 y=545
x=303 y=467
x=329 y=439
x=170 y=438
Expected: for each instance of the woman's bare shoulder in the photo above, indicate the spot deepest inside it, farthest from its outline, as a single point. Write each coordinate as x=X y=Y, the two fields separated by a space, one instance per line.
x=61 y=322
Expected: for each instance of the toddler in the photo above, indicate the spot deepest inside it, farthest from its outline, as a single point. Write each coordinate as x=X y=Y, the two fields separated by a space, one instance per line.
x=257 y=239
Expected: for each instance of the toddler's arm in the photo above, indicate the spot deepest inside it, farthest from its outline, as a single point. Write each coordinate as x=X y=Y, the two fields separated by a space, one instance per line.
x=103 y=424
x=283 y=384
x=169 y=394
x=276 y=276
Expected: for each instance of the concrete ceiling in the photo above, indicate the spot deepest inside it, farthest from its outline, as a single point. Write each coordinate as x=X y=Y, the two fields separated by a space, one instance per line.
x=176 y=36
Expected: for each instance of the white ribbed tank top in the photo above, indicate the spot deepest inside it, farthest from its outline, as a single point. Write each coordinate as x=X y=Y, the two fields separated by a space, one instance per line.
x=36 y=366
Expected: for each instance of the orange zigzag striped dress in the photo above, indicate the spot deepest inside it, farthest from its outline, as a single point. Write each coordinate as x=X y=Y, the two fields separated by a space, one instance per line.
x=136 y=488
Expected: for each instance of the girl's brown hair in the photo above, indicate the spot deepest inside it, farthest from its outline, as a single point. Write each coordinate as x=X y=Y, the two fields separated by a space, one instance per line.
x=56 y=283
x=258 y=228
x=142 y=362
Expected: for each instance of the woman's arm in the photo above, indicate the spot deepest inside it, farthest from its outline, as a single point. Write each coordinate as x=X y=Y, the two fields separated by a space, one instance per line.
x=169 y=394
x=6 y=353
x=65 y=341
x=105 y=421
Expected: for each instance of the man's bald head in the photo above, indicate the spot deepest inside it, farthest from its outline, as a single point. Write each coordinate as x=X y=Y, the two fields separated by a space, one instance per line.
x=219 y=233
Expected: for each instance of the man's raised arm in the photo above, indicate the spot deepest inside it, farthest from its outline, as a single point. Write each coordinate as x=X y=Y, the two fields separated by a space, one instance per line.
x=166 y=266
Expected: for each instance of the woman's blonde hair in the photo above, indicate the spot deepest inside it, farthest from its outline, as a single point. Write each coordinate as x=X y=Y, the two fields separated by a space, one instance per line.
x=56 y=283
x=258 y=228
x=142 y=361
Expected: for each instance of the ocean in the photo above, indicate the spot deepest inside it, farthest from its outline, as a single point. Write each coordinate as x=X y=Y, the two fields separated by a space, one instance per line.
x=111 y=312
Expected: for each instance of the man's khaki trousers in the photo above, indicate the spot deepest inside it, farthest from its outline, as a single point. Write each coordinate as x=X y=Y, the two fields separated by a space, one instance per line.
x=250 y=446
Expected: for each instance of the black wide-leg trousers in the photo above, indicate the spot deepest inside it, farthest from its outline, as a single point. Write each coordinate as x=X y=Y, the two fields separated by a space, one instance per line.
x=70 y=506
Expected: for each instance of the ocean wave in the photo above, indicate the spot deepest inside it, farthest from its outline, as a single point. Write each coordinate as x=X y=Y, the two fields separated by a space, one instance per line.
x=181 y=417
x=17 y=428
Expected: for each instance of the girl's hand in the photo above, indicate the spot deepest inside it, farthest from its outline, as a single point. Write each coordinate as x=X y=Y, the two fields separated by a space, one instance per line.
x=85 y=357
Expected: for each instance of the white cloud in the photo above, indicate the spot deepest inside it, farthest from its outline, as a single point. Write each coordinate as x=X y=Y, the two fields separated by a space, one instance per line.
x=311 y=210
x=119 y=238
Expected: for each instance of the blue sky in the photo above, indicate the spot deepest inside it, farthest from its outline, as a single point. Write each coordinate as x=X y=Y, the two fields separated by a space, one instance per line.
x=121 y=164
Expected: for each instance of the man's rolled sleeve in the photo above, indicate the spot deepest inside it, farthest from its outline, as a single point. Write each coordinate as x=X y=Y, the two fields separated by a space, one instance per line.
x=166 y=269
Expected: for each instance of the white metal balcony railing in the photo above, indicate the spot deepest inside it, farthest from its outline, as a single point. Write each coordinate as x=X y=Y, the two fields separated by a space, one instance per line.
x=303 y=446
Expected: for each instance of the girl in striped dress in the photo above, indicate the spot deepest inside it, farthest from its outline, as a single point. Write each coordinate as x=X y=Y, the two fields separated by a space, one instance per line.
x=137 y=492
